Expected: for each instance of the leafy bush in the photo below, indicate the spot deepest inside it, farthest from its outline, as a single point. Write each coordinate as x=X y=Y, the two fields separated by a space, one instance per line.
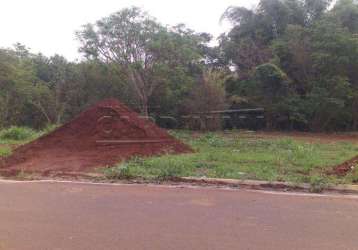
x=17 y=133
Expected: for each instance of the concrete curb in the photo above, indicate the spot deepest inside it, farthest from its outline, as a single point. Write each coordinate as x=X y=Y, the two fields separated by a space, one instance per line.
x=235 y=183
x=274 y=185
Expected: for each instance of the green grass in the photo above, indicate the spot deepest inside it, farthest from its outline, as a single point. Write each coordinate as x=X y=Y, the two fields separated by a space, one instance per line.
x=244 y=156
x=18 y=136
x=21 y=135
x=5 y=151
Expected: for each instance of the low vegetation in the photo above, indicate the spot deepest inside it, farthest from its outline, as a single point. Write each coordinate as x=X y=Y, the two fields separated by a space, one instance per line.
x=233 y=155
x=17 y=134
x=245 y=156
x=5 y=151
x=14 y=136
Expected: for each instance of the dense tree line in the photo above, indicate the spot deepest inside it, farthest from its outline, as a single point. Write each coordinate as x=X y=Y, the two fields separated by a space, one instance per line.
x=297 y=59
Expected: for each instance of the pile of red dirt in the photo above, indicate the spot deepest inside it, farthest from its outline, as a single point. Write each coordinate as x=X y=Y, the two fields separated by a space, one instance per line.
x=103 y=135
x=346 y=167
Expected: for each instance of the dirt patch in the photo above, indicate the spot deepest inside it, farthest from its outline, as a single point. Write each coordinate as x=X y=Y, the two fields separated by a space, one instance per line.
x=346 y=167
x=103 y=135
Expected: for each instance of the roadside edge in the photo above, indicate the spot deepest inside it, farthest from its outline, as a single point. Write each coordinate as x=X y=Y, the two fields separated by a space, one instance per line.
x=195 y=181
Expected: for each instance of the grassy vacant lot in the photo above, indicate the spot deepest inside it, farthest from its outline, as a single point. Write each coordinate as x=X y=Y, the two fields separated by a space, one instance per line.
x=243 y=155
x=234 y=155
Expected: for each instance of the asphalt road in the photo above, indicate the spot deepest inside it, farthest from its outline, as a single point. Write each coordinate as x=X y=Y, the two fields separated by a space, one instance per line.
x=84 y=216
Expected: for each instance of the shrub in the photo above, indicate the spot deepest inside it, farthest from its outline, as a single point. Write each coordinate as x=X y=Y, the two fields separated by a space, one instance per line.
x=17 y=133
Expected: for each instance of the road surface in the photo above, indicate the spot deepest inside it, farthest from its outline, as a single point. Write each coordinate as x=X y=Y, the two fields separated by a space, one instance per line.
x=84 y=216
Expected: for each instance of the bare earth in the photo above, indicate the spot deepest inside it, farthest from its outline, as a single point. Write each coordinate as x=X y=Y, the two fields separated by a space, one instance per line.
x=84 y=216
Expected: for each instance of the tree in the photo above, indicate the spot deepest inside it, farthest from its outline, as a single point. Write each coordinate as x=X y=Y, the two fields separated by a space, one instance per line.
x=141 y=48
x=346 y=12
x=248 y=44
x=293 y=52
x=298 y=59
x=208 y=95
x=18 y=88
x=271 y=85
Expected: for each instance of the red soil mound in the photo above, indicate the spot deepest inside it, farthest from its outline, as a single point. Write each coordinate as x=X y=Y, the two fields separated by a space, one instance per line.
x=346 y=167
x=103 y=135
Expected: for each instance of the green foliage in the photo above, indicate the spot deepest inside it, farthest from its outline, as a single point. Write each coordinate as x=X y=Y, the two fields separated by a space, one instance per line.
x=147 y=169
x=147 y=53
x=346 y=12
x=300 y=62
x=273 y=81
x=207 y=96
x=5 y=151
x=49 y=128
x=213 y=140
x=298 y=59
x=121 y=172
x=17 y=134
x=318 y=184
x=270 y=74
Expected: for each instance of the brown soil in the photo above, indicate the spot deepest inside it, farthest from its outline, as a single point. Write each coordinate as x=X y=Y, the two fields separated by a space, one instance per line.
x=103 y=135
x=346 y=167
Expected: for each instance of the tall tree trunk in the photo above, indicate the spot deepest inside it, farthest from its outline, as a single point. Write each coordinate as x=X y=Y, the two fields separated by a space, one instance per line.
x=7 y=107
x=43 y=111
x=145 y=108
x=355 y=114
x=139 y=85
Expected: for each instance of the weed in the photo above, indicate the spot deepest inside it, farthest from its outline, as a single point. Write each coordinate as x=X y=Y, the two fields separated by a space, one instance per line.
x=120 y=172
x=317 y=184
x=213 y=140
x=168 y=173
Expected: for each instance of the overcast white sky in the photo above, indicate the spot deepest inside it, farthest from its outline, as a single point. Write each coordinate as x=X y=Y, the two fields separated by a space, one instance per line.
x=48 y=26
